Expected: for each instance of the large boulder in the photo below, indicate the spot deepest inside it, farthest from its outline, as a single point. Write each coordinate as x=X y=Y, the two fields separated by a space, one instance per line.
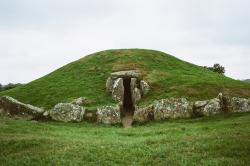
x=172 y=108
x=215 y=106
x=143 y=114
x=108 y=115
x=67 y=112
x=118 y=90
x=10 y=108
x=144 y=87
x=236 y=104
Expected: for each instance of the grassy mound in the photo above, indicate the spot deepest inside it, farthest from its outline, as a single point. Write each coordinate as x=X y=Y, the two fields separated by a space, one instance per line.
x=167 y=76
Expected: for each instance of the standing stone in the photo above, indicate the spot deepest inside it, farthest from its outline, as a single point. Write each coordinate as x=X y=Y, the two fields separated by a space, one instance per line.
x=236 y=104
x=172 y=108
x=144 y=87
x=10 y=108
x=109 y=85
x=67 y=112
x=133 y=84
x=136 y=96
x=118 y=91
x=108 y=115
x=215 y=106
x=143 y=114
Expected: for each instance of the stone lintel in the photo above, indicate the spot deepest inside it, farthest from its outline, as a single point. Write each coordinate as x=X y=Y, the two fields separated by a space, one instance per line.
x=126 y=74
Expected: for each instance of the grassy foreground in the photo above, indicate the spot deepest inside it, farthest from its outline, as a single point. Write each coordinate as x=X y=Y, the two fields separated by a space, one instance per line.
x=217 y=140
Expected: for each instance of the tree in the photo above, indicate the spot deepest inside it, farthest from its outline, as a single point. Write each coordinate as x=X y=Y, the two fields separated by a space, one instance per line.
x=246 y=80
x=10 y=86
x=1 y=88
x=216 y=68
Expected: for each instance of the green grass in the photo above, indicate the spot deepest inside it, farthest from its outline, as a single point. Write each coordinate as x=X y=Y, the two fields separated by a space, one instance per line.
x=168 y=77
x=217 y=140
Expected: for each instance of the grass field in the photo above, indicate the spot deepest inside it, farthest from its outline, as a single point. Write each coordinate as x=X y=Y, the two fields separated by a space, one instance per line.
x=167 y=76
x=217 y=140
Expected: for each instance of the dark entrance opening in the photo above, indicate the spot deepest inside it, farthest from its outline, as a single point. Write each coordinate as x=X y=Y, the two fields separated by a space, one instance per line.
x=127 y=103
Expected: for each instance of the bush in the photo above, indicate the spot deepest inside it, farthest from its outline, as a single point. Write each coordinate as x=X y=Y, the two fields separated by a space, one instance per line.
x=216 y=68
x=9 y=86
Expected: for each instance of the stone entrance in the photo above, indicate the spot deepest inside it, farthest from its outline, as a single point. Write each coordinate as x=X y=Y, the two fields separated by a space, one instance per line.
x=127 y=89
x=127 y=101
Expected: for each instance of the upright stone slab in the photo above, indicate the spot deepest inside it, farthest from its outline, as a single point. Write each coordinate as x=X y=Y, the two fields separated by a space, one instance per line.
x=66 y=112
x=143 y=114
x=109 y=85
x=236 y=104
x=118 y=91
x=172 y=108
x=144 y=87
x=136 y=96
x=108 y=115
x=133 y=84
x=215 y=106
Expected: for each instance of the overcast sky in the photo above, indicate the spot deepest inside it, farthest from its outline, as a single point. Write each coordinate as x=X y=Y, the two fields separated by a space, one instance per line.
x=39 y=36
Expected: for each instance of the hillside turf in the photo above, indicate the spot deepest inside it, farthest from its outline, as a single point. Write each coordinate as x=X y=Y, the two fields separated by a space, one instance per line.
x=167 y=76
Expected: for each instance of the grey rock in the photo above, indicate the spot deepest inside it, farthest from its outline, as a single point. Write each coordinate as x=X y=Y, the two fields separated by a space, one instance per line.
x=172 y=108
x=11 y=108
x=109 y=85
x=144 y=87
x=136 y=95
x=199 y=107
x=199 y=104
x=67 y=112
x=133 y=83
x=81 y=101
x=118 y=91
x=143 y=114
x=126 y=74
x=236 y=104
x=108 y=115
x=215 y=106
x=46 y=114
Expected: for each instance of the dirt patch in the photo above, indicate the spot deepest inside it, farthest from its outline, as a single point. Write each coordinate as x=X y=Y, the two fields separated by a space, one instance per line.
x=127 y=120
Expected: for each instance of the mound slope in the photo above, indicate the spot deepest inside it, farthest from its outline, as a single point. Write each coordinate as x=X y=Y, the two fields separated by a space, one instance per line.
x=167 y=76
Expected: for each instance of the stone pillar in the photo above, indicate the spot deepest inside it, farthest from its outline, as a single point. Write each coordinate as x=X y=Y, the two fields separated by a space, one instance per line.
x=109 y=85
x=144 y=87
x=118 y=91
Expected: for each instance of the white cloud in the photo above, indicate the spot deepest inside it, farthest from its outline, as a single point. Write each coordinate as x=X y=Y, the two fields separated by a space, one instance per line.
x=37 y=37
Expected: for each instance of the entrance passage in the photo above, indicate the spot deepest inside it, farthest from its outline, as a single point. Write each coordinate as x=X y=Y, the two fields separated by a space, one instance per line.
x=127 y=105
